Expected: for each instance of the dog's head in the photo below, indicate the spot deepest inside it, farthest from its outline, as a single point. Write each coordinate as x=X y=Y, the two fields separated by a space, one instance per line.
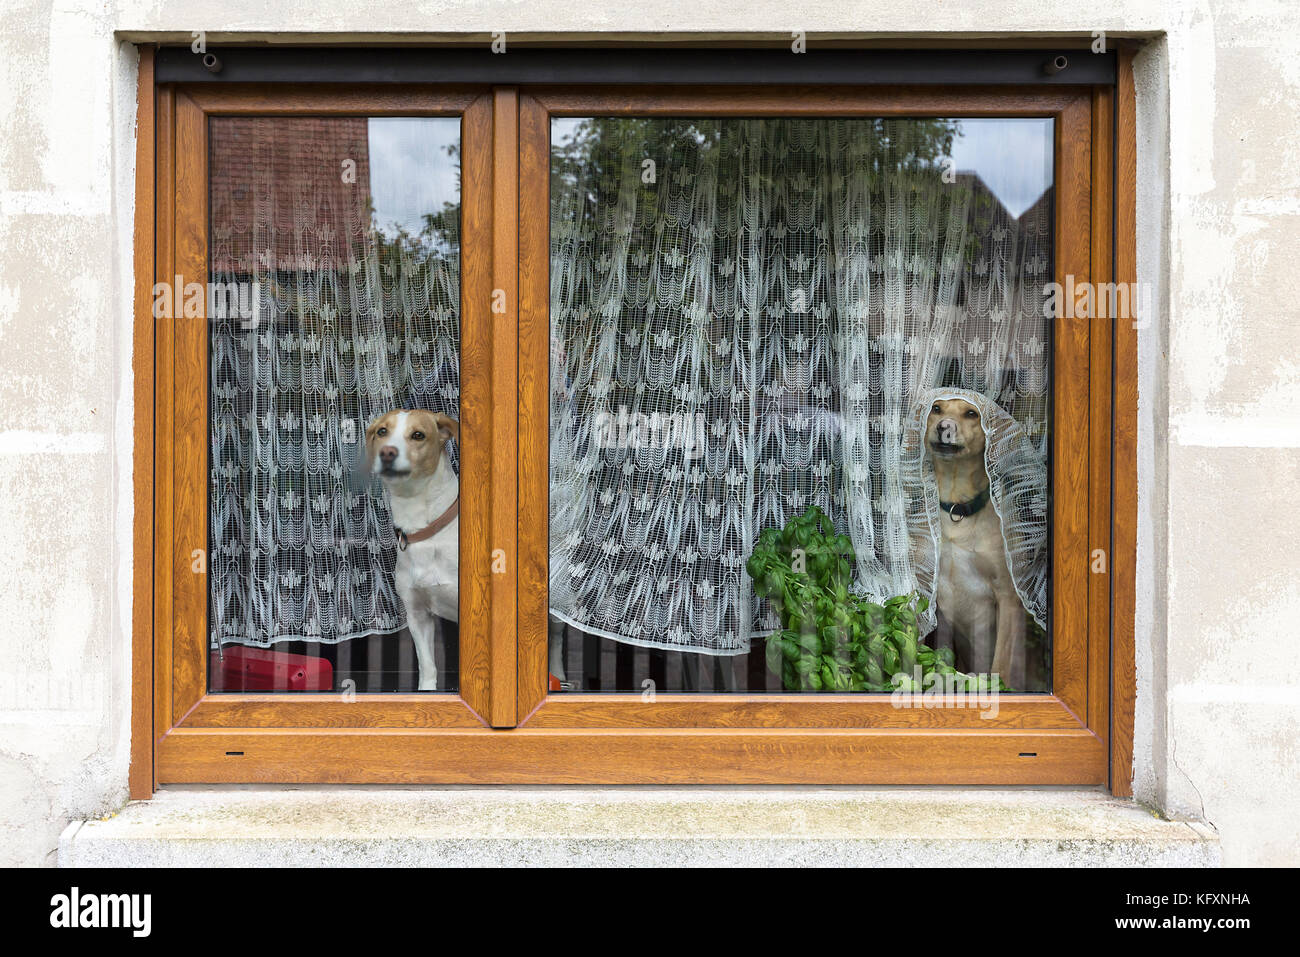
x=402 y=444
x=953 y=430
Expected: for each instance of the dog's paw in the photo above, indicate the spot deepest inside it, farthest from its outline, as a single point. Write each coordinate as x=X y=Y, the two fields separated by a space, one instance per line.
x=429 y=685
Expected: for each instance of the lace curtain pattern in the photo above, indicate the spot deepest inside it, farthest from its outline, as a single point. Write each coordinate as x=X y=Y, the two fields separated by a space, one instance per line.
x=349 y=321
x=745 y=315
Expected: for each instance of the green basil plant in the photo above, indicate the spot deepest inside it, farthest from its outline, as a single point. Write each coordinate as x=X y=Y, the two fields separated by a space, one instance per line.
x=832 y=639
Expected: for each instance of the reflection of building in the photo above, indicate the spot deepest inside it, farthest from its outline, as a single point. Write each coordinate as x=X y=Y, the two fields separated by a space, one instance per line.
x=983 y=196
x=269 y=176
x=975 y=182
x=1002 y=345
x=1040 y=211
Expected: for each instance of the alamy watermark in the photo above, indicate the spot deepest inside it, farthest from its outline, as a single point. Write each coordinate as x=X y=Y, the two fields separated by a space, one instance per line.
x=215 y=300
x=125 y=911
x=668 y=430
x=1131 y=301
x=935 y=690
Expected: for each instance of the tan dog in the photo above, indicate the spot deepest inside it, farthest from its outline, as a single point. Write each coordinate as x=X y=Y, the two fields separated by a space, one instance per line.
x=405 y=449
x=981 y=616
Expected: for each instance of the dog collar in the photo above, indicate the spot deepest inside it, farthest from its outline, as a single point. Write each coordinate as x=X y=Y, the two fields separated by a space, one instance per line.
x=959 y=510
x=433 y=528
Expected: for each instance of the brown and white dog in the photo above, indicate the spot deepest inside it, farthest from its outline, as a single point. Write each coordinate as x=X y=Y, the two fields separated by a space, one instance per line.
x=981 y=616
x=405 y=449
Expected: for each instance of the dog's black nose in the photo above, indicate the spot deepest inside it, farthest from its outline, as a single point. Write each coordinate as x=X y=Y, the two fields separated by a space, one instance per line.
x=388 y=454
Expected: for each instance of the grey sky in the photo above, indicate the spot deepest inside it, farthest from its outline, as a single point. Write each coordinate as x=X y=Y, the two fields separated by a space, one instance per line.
x=1012 y=156
x=410 y=171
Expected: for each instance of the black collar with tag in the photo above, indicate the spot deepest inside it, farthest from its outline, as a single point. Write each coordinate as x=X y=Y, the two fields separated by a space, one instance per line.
x=959 y=510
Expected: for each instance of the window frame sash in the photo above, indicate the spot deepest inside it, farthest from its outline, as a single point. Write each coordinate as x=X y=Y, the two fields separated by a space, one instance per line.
x=195 y=737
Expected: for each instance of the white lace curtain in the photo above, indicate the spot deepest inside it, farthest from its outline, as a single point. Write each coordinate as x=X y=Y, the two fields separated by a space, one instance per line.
x=349 y=322
x=745 y=314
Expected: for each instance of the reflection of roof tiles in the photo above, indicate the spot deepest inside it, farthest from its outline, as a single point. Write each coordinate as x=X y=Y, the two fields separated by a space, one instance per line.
x=279 y=181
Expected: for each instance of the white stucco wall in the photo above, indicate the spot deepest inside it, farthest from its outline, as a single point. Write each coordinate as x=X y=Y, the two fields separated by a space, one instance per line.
x=1219 y=233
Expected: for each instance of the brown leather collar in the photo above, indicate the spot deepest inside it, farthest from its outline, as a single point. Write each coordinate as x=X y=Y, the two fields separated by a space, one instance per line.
x=430 y=530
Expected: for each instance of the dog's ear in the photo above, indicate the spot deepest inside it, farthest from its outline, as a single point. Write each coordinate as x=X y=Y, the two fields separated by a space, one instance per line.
x=448 y=428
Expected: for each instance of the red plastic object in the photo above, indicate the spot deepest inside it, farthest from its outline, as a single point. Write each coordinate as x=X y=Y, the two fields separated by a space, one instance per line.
x=260 y=669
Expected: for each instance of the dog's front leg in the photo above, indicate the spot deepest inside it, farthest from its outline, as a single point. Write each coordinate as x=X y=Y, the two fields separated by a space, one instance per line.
x=423 y=628
x=943 y=637
x=1009 y=652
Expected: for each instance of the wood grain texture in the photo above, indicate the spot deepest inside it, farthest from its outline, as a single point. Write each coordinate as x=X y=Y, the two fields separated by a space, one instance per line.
x=332 y=711
x=525 y=756
x=1124 y=449
x=1099 y=426
x=189 y=394
x=164 y=470
x=1069 y=440
x=476 y=409
x=534 y=402
x=140 y=775
x=505 y=404
x=1036 y=712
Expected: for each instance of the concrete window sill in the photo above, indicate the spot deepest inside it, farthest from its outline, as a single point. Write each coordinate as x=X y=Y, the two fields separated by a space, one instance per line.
x=471 y=827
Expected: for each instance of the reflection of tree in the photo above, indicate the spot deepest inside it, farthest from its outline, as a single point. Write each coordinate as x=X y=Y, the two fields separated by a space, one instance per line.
x=597 y=146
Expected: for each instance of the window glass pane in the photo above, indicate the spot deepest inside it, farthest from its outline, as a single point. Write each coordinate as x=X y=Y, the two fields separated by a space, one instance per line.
x=334 y=300
x=799 y=403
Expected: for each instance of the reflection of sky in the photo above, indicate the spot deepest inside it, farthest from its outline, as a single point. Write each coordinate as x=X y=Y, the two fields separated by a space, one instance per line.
x=411 y=172
x=1012 y=156
x=563 y=128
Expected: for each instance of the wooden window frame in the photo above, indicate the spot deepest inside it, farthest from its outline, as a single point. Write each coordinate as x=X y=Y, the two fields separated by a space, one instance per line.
x=503 y=727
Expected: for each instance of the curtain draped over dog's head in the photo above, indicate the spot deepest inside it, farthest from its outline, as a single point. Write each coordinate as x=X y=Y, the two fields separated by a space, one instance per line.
x=1017 y=470
x=744 y=316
